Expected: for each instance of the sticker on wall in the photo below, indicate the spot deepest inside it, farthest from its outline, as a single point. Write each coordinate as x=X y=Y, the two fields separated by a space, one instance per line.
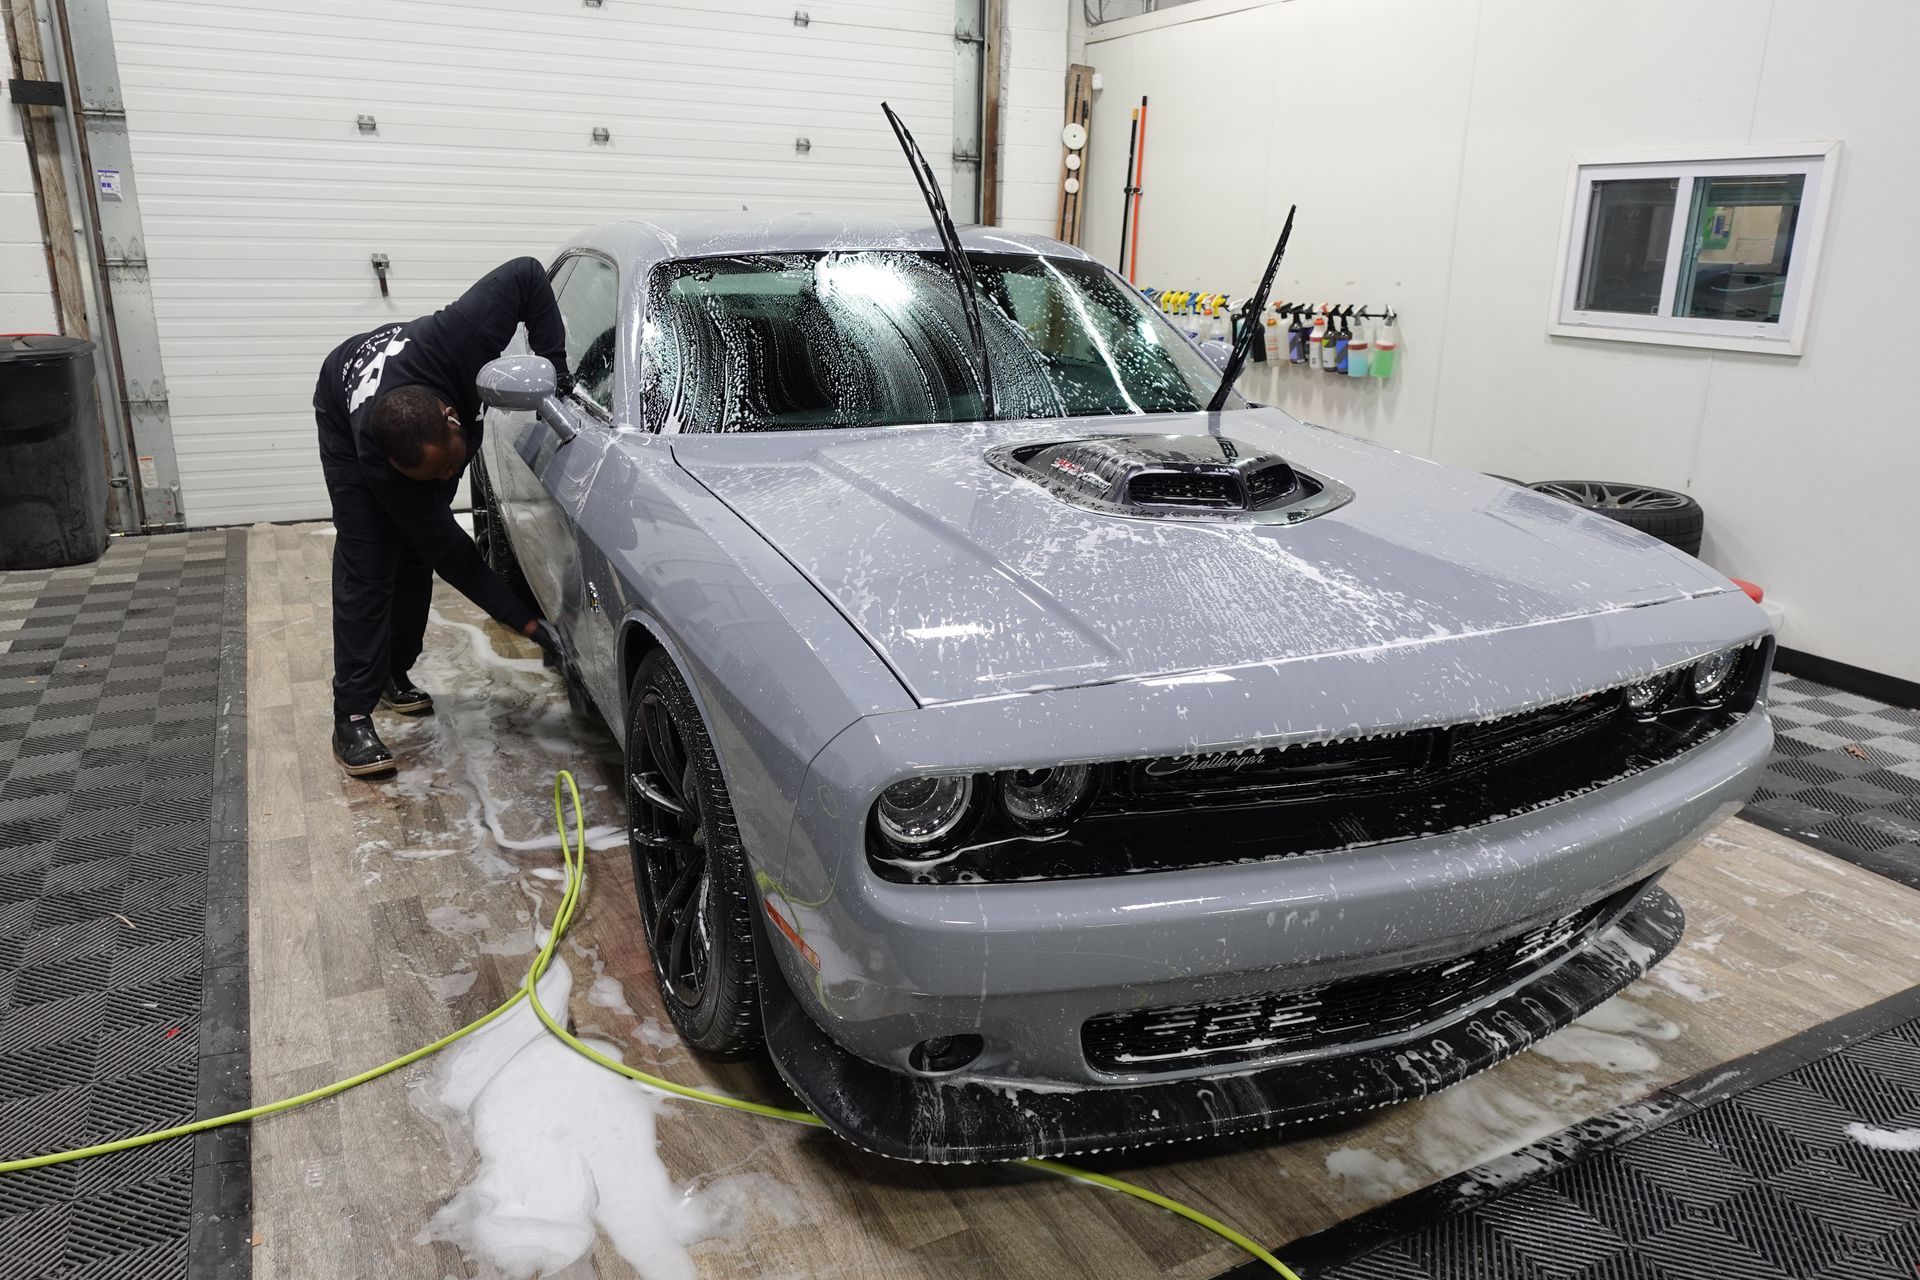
x=149 y=474
x=109 y=180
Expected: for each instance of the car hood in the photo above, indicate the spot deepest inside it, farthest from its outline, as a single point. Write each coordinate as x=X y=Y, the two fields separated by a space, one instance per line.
x=971 y=582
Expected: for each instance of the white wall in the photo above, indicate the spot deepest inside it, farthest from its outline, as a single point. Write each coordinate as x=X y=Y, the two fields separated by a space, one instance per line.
x=1428 y=144
x=1033 y=97
x=26 y=296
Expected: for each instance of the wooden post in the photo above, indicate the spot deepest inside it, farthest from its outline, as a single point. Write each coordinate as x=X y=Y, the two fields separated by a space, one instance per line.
x=50 y=180
x=1079 y=111
x=994 y=15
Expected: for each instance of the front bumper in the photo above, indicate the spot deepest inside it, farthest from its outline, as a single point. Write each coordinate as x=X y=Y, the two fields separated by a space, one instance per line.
x=1026 y=966
x=913 y=1118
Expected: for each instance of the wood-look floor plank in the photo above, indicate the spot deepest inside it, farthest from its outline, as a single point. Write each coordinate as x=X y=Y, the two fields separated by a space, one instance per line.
x=385 y=914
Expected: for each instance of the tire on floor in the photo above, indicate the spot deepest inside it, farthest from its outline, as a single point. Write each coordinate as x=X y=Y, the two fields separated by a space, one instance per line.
x=1674 y=518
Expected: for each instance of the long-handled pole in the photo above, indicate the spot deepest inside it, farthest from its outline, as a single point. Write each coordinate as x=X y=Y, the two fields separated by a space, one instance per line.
x=1139 y=181
x=1126 y=191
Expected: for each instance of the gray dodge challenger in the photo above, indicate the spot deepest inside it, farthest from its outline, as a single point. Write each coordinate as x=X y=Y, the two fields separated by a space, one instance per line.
x=1038 y=762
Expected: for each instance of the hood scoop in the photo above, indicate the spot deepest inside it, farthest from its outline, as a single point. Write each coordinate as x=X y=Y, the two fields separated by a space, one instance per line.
x=1174 y=478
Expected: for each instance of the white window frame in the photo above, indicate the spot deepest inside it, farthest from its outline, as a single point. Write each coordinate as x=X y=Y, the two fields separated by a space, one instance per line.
x=1818 y=161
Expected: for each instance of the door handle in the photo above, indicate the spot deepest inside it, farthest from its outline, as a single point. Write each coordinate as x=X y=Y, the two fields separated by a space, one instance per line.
x=554 y=412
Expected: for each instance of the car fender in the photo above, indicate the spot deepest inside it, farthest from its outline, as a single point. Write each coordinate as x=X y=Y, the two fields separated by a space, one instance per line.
x=774 y=669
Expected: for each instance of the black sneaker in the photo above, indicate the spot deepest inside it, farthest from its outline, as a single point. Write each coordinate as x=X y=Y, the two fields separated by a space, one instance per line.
x=402 y=696
x=358 y=748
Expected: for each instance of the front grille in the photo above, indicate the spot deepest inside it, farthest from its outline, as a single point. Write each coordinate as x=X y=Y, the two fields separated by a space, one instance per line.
x=1321 y=770
x=1532 y=730
x=1255 y=805
x=1380 y=1006
x=1254 y=776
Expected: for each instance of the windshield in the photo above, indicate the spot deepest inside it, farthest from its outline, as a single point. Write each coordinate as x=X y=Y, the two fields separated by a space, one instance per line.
x=868 y=338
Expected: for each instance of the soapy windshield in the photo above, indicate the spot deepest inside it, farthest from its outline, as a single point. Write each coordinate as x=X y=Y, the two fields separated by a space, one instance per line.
x=868 y=338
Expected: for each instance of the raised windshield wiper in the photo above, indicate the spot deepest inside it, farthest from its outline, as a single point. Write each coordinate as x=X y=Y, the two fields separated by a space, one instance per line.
x=956 y=259
x=1249 y=321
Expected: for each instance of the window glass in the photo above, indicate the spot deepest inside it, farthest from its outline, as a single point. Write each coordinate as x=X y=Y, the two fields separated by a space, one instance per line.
x=1737 y=255
x=788 y=341
x=1629 y=222
x=588 y=295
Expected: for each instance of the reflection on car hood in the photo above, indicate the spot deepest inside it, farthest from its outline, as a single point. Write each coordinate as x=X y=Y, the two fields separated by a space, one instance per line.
x=971 y=582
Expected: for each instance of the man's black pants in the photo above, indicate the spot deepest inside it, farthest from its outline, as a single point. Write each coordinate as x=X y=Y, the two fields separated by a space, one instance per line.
x=381 y=590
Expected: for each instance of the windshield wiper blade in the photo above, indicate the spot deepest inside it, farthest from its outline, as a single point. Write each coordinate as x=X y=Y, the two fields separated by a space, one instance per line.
x=956 y=259
x=1250 y=315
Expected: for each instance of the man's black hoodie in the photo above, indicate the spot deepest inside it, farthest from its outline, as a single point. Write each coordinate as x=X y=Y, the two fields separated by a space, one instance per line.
x=443 y=352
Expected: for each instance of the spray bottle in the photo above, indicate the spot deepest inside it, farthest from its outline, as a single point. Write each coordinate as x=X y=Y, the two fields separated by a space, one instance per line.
x=1359 y=356
x=1272 y=335
x=1297 y=348
x=1386 y=350
x=1328 y=353
x=1342 y=339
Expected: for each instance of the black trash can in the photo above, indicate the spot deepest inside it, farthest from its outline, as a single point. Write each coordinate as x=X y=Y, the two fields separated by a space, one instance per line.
x=53 y=472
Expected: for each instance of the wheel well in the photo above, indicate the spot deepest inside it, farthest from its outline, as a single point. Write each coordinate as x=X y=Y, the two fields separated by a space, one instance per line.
x=636 y=642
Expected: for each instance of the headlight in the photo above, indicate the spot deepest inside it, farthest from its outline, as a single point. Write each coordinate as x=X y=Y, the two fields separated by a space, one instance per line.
x=1041 y=798
x=1711 y=673
x=921 y=812
x=1642 y=696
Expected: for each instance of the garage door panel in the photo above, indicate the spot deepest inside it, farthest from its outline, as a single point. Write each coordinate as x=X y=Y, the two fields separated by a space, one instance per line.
x=262 y=201
x=320 y=44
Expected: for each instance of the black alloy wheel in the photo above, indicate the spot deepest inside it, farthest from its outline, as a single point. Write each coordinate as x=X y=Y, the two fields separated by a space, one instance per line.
x=688 y=867
x=1674 y=518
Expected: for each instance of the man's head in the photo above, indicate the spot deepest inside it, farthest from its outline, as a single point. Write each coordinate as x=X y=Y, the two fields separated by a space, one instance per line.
x=419 y=433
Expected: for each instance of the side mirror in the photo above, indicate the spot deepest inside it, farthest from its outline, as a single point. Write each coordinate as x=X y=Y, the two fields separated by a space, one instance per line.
x=516 y=382
x=1216 y=352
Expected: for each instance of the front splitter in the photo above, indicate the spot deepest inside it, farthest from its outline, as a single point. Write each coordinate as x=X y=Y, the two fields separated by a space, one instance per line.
x=911 y=1118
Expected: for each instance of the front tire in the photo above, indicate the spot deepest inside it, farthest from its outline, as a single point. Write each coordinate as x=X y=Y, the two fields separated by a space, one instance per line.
x=689 y=867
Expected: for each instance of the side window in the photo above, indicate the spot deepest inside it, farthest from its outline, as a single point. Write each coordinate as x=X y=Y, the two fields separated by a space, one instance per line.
x=588 y=293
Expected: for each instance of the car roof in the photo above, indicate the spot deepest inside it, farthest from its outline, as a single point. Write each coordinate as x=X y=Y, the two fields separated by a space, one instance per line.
x=641 y=242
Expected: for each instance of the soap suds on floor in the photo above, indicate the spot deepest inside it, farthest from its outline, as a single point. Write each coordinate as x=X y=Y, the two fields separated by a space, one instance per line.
x=1625 y=1017
x=1589 y=1047
x=566 y=1154
x=1884 y=1139
x=1683 y=976
x=1367 y=1175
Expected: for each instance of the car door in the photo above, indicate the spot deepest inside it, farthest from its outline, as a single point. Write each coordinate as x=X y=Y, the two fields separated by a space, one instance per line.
x=586 y=287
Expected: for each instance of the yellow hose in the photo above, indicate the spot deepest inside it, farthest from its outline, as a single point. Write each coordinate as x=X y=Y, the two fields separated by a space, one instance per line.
x=574 y=852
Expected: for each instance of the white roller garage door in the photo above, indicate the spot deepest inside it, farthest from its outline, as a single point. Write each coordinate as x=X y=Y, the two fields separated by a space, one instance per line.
x=264 y=201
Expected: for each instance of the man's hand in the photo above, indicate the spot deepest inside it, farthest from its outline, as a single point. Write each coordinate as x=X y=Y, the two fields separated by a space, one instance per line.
x=547 y=636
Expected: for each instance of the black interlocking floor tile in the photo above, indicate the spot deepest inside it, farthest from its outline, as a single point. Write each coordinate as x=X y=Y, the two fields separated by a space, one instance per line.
x=1854 y=791
x=109 y=706
x=1835 y=801
x=1778 y=1181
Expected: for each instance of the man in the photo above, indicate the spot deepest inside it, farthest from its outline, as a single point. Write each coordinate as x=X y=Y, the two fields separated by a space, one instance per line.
x=399 y=419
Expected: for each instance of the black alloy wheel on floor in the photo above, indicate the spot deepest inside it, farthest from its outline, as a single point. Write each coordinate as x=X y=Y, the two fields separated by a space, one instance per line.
x=1674 y=518
x=689 y=868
